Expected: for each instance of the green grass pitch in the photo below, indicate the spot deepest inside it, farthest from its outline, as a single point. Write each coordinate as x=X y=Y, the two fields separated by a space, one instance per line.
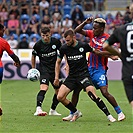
x=18 y=100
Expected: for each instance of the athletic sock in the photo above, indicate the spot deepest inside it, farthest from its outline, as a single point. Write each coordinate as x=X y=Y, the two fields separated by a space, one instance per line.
x=55 y=102
x=71 y=112
x=117 y=109
x=71 y=107
x=102 y=106
x=40 y=97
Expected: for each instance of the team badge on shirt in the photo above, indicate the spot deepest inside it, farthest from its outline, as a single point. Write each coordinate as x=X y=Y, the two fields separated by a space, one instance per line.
x=81 y=49
x=53 y=46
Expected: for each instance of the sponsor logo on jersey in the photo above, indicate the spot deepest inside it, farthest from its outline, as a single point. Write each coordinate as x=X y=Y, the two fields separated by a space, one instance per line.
x=75 y=57
x=49 y=54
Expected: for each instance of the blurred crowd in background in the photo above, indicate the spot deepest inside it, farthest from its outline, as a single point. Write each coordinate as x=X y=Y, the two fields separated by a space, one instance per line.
x=24 y=18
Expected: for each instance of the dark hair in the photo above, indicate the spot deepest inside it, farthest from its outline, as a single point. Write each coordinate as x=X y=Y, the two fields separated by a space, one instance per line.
x=1 y=26
x=69 y=32
x=44 y=30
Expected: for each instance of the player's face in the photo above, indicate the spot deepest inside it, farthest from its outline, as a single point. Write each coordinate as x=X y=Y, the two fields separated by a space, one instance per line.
x=46 y=37
x=97 y=30
x=69 y=40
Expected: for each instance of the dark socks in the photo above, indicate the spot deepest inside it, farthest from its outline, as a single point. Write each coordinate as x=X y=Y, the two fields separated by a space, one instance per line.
x=40 y=97
x=55 y=102
x=71 y=107
x=102 y=106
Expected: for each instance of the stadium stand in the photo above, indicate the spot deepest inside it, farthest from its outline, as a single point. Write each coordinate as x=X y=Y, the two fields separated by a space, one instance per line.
x=108 y=7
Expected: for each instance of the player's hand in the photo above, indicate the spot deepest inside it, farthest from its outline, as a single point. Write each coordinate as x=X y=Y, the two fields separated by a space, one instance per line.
x=17 y=64
x=97 y=51
x=0 y=111
x=56 y=82
x=66 y=68
x=89 y=20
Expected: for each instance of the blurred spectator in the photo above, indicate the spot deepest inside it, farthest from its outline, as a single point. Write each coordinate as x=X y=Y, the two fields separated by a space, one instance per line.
x=109 y=23
x=55 y=25
x=34 y=25
x=89 y=5
x=23 y=44
x=77 y=16
x=4 y=3
x=32 y=42
x=35 y=3
x=13 y=25
x=79 y=37
x=57 y=12
x=35 y=7
x=45 y=21
x=118 y=20
x=24 y=7
x=4 y=15
x=12 y=41
x=3 y=22
x=46 y=12
x=100 y=4
x=127 y=16
x=57 y=2
x=13 y=2
x=67 y=23
x=43 y=5
x=35 y=10
x=14 y=10
x=99 y=15
x=78 y=2
x=24 y=27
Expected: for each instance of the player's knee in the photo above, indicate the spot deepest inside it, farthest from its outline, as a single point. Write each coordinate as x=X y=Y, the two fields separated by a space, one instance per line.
x=105 y=94
x=60 y=98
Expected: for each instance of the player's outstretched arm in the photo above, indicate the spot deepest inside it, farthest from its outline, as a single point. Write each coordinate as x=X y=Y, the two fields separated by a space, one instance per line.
x=111 y=49
x=79 y=28
x=16 y=60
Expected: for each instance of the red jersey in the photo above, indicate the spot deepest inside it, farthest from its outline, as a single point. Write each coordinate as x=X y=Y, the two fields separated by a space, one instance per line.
x=4 y=46
x=94 y=60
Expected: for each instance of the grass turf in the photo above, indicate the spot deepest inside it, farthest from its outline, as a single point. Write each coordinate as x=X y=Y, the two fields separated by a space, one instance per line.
x=18 y=99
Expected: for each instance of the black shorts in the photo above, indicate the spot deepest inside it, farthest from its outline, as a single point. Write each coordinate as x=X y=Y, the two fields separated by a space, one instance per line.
x=128 y=85
x=48 y=77
x=82 y=81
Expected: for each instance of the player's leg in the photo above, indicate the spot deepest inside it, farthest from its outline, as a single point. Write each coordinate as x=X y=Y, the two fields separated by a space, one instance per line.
x=62 y=94
x=100 y=81
x=128 y=86
x=91 y=93
x=74 y=100
x=44 y=82
x=55 y=102
x=112 y=101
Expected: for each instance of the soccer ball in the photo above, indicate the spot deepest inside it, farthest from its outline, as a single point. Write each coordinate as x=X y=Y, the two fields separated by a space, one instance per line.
x=33 y=75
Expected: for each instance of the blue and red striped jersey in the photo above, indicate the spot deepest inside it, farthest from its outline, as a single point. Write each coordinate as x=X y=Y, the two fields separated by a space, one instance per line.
x=94 y=60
